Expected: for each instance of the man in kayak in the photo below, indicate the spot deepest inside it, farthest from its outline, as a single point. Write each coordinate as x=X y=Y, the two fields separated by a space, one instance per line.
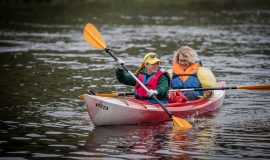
x=156 y=79
x=188 y=73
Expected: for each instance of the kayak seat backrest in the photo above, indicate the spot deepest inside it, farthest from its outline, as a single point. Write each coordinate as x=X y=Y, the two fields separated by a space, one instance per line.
x=176 y=97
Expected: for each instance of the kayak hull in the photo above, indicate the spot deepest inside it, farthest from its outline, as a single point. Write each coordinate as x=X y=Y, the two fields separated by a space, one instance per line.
x=128 y=110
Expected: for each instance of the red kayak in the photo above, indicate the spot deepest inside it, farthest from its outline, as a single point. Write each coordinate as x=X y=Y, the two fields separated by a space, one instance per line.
x=128 y=110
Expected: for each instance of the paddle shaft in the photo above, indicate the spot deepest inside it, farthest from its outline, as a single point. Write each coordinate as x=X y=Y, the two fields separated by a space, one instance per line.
x=256 y=87
x=137 y=80
x=126 y=93
x=171 y=90
x=115 y=94
x=205 y=89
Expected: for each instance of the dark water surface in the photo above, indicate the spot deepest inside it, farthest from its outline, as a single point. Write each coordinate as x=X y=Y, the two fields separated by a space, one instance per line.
x=45 y=64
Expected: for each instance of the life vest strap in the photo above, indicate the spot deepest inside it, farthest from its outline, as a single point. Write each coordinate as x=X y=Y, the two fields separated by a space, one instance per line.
x=177 y=75
x=185 y=74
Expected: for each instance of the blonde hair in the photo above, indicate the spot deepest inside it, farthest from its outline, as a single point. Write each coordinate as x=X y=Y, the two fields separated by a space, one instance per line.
x=140 y=68
x=186 y=53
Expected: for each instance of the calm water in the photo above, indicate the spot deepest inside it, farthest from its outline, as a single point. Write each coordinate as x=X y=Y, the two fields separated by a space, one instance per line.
x=45 y=65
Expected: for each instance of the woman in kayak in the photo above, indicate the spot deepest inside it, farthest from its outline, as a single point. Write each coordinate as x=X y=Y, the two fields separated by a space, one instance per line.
x=188 y=73
x=157 y=80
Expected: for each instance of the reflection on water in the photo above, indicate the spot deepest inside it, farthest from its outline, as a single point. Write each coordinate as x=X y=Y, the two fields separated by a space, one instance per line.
x=153 y=139
x=45 y=65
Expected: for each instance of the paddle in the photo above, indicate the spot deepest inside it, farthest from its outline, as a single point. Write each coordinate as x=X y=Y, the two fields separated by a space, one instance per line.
x=110 y=94
x=94 y=38
x=256 y=87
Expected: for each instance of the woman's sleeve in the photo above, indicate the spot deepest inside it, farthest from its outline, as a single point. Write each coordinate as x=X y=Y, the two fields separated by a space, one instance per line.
x=207 y=80
x=163 y=86
x=206 y=77
x=124 y=77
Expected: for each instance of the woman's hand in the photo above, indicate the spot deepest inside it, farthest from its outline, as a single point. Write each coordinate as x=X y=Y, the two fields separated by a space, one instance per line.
x=152 y=92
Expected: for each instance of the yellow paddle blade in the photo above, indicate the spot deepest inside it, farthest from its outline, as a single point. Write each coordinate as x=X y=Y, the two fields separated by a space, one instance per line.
x=179 y=122
x=81 y=97
x=257 y=87
x=108 y=95
x=93 y=37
